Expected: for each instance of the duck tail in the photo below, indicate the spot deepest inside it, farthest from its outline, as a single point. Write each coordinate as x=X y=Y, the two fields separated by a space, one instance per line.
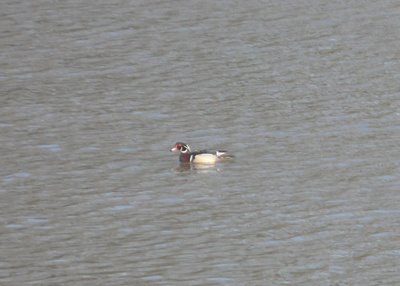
x=224 y=155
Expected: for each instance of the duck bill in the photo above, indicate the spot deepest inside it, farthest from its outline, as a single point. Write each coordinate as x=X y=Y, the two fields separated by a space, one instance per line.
x=174 y=149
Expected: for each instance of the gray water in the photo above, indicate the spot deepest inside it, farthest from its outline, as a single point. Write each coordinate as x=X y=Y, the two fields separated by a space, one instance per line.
x=305 y=94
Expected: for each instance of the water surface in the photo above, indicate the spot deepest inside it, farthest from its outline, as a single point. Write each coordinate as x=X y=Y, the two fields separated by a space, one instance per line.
x=304 y=93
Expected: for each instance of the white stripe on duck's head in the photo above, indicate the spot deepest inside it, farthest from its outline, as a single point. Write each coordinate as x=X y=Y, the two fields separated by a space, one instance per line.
x=181 y=147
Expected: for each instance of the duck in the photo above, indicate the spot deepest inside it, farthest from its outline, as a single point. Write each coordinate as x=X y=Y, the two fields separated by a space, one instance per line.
x=199 y=157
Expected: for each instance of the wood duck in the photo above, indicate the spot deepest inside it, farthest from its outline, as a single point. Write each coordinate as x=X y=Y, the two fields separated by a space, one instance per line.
x=199 y=157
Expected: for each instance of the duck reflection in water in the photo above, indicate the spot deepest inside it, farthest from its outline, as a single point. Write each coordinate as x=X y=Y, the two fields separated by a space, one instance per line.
x=202 y=168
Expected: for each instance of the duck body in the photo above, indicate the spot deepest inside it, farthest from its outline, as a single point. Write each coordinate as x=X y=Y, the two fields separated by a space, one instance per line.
x=199 y=157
